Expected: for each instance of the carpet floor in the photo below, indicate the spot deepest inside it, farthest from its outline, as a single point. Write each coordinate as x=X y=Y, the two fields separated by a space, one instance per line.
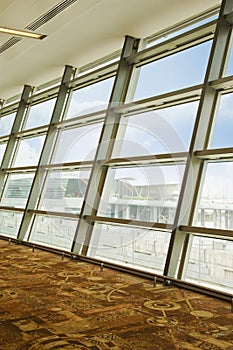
x=52 y=303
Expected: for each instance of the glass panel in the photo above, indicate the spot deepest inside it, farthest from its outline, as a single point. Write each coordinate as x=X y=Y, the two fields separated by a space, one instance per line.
x=64 y=191
x=210 y=263
x=148 y=193
x=40 y=114
x=166 y=130
x=53 y=231
x=89 y=99
x=2 y=151
x=6 y=124
x=222 y=136
x=216 y=204
x=17 y=190
x=77 y=144
x=229 y=70
x=9 y=223
x=133 y=247
x=29 y=151
x=180 y=70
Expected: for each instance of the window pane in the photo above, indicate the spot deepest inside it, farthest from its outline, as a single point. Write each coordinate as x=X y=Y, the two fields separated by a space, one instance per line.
x=229 y=70
x=166 y=130
x=77 y=144
x=148 y=193
x=223 y=131
x=6 y=124
x=64 y=191
x=90 y=99
x=29 y=151
x=40 y=114
x=210 y=263
x=216 y=204
x=9 y=223
x=173 y=72
x=133 y=247
x=53 y=232
x=17 y=190
x=2 y=151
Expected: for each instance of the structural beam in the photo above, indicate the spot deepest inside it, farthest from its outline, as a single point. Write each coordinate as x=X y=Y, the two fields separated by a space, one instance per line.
x=12 y=142
x=46 y=153
x=105 y=147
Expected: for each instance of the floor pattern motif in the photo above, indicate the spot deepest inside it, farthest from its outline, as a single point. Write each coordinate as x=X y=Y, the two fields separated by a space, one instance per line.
x=53 y=303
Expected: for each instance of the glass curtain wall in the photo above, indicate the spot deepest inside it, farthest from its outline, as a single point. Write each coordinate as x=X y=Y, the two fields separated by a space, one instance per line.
x=131 y=163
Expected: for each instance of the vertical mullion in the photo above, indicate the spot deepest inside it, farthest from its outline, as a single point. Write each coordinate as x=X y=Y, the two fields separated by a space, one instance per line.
x=201 y=135
x=16 y=126
x=46 y=151
x=12 y=141
x=105 y=147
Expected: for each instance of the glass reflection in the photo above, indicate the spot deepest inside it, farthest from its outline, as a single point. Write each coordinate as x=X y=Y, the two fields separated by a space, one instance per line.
x=78 y=144
x=6 y=123
x=210 y=263
x=2 y=151
x=17 y=190
x=64 y=191
x=9 y=223
x=177 y=71
x=216 y=203
x=223 y=129
x=129 y=246
x=147 y=193
x=29 y=151
x=40 y=114
x=90 y=99
x=167 y=130
x=53 y=231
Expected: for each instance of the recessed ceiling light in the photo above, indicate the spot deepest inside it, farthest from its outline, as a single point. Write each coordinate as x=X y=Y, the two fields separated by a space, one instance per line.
x=24 y=33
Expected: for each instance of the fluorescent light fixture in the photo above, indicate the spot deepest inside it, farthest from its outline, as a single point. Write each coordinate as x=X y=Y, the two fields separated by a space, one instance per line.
x=24 y=33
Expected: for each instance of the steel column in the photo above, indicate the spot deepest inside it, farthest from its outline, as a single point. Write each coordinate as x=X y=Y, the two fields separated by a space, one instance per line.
x=46 y=152
x=105 y=147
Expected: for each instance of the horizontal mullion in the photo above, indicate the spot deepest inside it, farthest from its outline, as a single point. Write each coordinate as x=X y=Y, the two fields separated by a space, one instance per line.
x=44 y=95
x=6 y=208
x=215 y=154
x=161 y=101
x=136 y=223
x=54 y=213
x=4 y=139
x=175 y=44
x=32 y=132
x=71 y=165
x=21 y=169
x=169 y=158
x=206 y=231
x=225 y=83
x=9 y=109
x=81 y=120
x=94 y=76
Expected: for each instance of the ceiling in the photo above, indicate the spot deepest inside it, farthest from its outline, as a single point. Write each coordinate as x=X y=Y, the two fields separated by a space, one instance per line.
x=78 y=32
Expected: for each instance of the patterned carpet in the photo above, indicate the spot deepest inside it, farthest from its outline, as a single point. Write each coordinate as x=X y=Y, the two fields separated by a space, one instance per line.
x=52 y=303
